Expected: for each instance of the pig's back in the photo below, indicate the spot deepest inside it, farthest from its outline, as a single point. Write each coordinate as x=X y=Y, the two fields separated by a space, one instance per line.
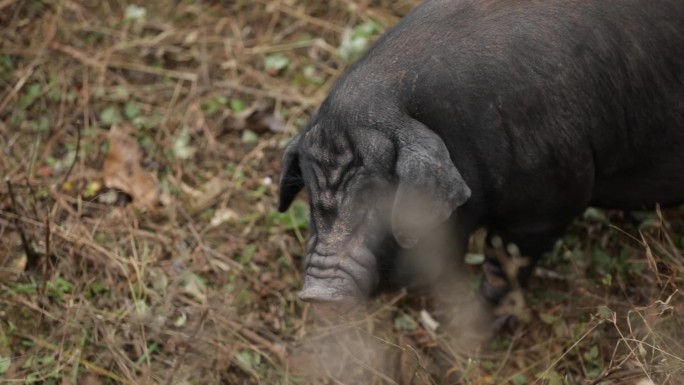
x=530 y=90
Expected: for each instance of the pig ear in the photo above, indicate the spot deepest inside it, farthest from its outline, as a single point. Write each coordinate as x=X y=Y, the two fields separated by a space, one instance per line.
x=291 y=181
x=430 y=187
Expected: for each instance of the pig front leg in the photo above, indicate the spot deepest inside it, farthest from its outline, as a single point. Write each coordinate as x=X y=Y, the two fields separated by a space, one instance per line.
x=510 y=260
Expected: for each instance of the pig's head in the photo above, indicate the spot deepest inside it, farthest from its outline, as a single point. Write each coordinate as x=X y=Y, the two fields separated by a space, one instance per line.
x=368 y=189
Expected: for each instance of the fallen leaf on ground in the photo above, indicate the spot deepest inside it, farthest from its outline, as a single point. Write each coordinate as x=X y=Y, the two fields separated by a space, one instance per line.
x=223 y=215
x=122 y=168
x=210 y=191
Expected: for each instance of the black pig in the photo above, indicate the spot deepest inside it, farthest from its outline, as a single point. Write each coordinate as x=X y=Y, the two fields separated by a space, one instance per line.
x=510 y=114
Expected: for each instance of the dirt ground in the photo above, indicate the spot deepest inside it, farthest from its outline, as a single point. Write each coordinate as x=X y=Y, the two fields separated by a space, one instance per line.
x=139 y=241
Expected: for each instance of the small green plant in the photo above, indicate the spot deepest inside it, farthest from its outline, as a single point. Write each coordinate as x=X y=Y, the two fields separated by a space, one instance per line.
x=355 y=42
x=110 y=115
x=5 y=363
x=247 y=254
x=275 y=63
x=58 y=287
x=214 y=105
x=297 y=217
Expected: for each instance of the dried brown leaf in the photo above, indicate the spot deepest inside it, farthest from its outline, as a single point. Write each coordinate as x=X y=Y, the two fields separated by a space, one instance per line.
x=122 y=168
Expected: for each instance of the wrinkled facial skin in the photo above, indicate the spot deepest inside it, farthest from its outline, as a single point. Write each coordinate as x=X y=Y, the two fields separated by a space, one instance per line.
x=350 y=201
x=362 y=185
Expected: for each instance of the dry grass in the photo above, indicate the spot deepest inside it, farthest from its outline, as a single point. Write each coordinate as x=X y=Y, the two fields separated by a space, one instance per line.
x=200 y=289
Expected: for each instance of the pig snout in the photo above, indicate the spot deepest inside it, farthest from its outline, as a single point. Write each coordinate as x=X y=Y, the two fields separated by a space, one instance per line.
x=341 y=281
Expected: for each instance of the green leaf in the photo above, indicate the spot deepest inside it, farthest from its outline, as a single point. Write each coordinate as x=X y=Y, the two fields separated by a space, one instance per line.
x=46 y=360
x=119 y=93
x=181 y=147
x=214 y=104
x=54 y=93
x=283 y=261
x=595 y=215
x=32 y=378
x=607 y=280
x=404 y=322
x=131 y=110
x=312 y=75
x=58 y=287
x=249 y=137
x=196 y=286
x=355 y=42
x=32 y=93
x=553 y=377
x=62 y=285
x=520 y=379
x=237 y=105
x=367 y=29
x=547 y=318
x=6 y=68
x=5 y=363
x=649 y=223
x=351 y=48
x=96 y=288
x=180 y=321
x=247 y=254
x=248 y=359
x=110 y=115
x=135 y=12
x=28 y=363
x=42 y=125
x=604 y=312
x=26 y=288
x=299 y=216
x=592 y=354
x=276 y=63
x=91 y=189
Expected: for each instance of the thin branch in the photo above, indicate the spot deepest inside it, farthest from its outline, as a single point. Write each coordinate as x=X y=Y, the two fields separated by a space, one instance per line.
x=78 y=151
x=31 y=255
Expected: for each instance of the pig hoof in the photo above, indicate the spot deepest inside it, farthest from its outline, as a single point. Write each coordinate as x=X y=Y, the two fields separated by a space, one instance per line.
x=494 y=285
